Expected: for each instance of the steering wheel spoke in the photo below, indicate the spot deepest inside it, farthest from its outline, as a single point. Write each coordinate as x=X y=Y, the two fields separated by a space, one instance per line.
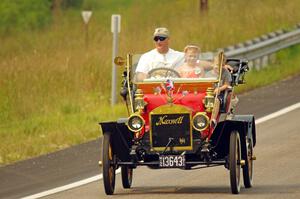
x=162 y=72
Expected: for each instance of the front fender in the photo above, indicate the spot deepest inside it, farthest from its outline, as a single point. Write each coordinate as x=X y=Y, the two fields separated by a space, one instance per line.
x=244 y=124
x=121 y=138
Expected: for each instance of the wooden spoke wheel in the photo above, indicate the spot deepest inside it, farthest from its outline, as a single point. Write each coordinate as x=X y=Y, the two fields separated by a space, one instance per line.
x=126 y=173
x=234 y=161
x=248 y=167
x=109 y=169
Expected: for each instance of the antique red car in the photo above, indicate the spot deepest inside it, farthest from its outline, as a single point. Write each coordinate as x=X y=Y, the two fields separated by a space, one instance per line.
x=169 y=126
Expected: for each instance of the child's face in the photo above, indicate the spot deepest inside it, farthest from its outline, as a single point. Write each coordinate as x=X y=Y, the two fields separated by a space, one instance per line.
x=191 y=57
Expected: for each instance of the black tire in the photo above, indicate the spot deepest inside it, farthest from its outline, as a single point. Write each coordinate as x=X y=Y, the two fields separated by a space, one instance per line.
x=109 y=170
x=126 y=173
x=248 y=167
x=234 y=162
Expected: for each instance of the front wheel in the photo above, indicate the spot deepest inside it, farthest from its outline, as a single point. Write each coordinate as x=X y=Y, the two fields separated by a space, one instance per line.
x=109 y=170
x=234 y=161
x=248 y=167
x=126 y=173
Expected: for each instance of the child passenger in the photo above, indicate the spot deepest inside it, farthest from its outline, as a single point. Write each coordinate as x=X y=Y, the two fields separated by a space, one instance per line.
x=225 y=76
x=223 y=85
x=191 y=67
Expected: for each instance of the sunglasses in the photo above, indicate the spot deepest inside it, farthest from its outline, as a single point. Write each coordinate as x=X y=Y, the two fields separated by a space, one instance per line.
x=159 y=38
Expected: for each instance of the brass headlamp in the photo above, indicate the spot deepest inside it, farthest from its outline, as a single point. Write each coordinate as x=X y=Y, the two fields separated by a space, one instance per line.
x=139 y=100
x=209 y=100
x=135 y=123
x=200 y=121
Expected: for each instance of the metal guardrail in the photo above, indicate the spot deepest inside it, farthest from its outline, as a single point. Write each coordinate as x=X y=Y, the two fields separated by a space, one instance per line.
x=260 y=50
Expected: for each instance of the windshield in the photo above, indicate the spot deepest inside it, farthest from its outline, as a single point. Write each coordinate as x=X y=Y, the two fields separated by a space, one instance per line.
x=183 y=74
x=192 y=70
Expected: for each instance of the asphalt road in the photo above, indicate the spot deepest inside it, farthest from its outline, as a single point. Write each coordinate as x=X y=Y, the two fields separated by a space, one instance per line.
x=276 y=174
x=80 y=162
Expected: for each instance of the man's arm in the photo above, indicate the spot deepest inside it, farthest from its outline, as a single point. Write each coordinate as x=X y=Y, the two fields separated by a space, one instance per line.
x=142 y=68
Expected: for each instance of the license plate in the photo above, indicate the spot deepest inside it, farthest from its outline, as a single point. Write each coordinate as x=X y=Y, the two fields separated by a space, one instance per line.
x=171 y=161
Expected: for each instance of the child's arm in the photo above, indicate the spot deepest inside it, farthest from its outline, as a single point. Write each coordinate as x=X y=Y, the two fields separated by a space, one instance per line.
x=221 y=88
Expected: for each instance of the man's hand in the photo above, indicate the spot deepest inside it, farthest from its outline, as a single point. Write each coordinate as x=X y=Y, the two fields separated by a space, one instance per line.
x=139 y=76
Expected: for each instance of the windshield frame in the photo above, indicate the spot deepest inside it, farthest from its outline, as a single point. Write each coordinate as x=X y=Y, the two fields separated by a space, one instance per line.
x=133 y=61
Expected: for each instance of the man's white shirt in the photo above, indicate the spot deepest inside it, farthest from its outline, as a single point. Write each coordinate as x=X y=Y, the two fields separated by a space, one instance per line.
x=154 y=59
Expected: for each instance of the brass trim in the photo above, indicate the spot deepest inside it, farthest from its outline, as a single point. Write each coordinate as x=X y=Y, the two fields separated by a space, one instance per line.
x=221 y=60
x=128 y=67
x=171 y=109
x=176 y=148
x=207 y=118
x=242 y=162
x=208 y=98
x=135 y=115
x=139 y=102
x=120 y=61
x=178 y=81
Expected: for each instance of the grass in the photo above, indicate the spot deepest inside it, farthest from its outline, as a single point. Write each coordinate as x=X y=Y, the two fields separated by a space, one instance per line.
x=54 y=90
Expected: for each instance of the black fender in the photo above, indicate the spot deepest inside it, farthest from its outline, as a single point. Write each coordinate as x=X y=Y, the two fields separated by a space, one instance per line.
x=244 y=124
x=248 y=120
x=121 y=138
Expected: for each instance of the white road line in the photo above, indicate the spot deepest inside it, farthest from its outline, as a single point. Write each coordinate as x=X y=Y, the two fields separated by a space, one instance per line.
x=68 y=186
x=278 y=113
x=99 y=177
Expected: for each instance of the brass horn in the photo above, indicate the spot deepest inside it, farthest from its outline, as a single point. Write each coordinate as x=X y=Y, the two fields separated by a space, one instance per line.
x=120 y=61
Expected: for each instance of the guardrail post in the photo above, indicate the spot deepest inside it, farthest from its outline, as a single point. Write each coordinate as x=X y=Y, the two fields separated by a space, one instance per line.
x=265 y=60
x=257 y=40
x=240 y=45
x=272 y=34
x=250 y=64
x=272 y=58
x=257 y=64
x=249 y=43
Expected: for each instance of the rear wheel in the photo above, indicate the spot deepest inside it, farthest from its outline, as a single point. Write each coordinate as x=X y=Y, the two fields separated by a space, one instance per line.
x=248 y=168
x=126 y=173
x=234 y=161
x=109 y=170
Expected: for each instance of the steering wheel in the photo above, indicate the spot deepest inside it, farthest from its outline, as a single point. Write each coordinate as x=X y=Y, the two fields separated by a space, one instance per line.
x=163 y=72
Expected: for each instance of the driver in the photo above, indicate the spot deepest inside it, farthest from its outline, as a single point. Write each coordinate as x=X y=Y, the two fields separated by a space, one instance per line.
x=161 y=56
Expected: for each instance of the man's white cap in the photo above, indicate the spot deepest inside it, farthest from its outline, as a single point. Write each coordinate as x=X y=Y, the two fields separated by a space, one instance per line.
x=161 y=32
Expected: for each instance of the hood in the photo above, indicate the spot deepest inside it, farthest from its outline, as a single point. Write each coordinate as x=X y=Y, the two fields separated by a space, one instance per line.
x=194 y=101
